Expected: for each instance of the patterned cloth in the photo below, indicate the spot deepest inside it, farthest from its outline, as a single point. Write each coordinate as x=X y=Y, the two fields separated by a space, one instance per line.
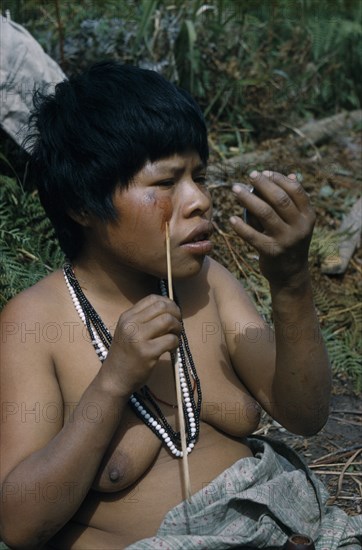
x=257 y=503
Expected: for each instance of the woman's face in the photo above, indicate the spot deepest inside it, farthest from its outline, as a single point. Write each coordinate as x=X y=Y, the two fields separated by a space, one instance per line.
x=169 y=190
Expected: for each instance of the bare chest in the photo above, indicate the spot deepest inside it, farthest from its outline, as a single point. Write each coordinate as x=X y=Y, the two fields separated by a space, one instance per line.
x=226 y=404
x=77 y=362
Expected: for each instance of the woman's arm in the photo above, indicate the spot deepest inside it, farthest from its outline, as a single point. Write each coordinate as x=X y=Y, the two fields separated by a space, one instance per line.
x=47 y=468
x=287 y=369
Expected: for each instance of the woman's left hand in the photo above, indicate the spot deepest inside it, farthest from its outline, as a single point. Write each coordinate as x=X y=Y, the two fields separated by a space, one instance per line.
x=285 y=225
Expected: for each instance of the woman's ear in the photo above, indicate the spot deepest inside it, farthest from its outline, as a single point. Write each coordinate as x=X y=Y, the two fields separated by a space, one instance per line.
x=82 y=217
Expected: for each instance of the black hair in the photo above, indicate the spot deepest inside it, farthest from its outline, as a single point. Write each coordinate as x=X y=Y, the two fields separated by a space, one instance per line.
x=97 y=131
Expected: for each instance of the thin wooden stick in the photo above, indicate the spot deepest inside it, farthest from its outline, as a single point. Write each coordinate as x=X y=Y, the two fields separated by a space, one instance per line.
x=342 y=473
x=185 y=463
x=169 y=267
x=341 y=453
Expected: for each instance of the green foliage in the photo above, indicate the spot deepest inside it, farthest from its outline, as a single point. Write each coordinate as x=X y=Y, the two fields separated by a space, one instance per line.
x=28 y=248
x=251 y=65
x=344 y=345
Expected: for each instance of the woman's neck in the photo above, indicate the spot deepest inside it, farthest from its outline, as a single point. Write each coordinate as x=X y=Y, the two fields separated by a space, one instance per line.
x=111 y=282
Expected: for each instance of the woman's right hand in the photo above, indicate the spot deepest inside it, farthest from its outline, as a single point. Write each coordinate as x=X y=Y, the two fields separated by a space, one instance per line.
x=143 y=333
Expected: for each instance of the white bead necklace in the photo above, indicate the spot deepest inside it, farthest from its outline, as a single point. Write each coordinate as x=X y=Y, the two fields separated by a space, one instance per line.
x=101 y=340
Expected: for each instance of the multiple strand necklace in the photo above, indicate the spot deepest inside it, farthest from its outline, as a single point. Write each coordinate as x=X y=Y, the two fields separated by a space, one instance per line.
x=101 y=340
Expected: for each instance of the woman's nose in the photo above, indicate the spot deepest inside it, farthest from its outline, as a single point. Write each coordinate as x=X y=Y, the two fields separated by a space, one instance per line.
x=195 y=198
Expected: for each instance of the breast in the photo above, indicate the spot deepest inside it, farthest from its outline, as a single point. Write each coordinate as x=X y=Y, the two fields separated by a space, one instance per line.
x=133 y=449
x=237 y=415
x=227 y=404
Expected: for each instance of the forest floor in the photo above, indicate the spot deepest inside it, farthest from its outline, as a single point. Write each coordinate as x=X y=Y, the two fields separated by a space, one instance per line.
x=335 y=453
x=331 y=175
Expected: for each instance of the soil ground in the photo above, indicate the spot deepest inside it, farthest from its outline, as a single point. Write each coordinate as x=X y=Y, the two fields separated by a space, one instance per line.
x=331 y=174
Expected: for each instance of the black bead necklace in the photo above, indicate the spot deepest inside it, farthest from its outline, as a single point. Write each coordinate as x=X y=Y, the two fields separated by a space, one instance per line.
x=155 y=420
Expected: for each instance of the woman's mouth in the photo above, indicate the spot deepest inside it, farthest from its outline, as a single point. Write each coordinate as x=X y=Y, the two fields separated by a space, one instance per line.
x=200 y=244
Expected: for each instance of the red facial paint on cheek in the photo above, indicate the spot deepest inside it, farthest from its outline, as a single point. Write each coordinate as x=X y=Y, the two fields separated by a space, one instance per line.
x=141 y=205
x=163 y=203
x=166 y=206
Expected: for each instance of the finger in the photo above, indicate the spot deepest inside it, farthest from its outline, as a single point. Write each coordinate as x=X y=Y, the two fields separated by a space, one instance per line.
x=265 y=213
x=161 y=307
x=276 y=196
x=163 y=344
x=262 y=242
x=161 y=325
x=143 y=333
x=290 y=185
x=153 y=305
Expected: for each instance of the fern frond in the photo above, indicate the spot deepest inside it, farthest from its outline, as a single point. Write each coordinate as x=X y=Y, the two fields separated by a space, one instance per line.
x=25 y=255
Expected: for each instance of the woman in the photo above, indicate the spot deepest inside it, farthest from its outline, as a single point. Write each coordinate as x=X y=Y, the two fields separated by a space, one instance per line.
x=91 y=444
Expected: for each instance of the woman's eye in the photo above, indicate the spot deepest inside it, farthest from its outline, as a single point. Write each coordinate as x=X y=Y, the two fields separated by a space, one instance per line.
x=165 y=183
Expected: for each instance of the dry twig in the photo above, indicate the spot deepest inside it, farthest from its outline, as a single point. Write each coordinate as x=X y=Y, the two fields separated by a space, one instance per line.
x=342 y=474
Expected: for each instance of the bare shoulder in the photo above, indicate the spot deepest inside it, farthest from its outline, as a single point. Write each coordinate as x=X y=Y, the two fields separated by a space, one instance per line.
x=218 y=274
x=212 y=276
x=39 y=302
x=214 y=290
x=227 y=289
x=26 y=318
x=47 y=289
x=28 y=379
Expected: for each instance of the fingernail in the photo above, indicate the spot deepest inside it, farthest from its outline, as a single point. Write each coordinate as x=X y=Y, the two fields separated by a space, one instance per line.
x=233 y=220
x=254 y=174
x=267 y=173
x=236 y=188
